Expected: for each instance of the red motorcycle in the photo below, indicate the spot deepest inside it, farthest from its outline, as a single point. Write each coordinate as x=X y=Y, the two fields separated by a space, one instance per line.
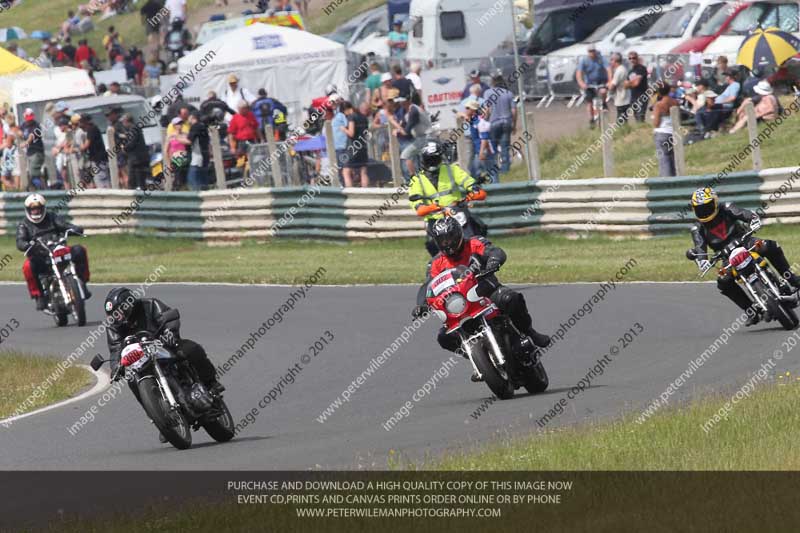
x=500 y=354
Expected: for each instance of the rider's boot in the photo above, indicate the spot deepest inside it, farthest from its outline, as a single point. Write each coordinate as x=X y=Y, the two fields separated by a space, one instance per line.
x=475 y=378
x=793 y=279
x=215 y=387
x=41 y=303
x=539 y=339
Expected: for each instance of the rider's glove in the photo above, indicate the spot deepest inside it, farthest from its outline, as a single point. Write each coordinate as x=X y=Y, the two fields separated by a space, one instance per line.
x=419 y=310
x=475 y=264
x=493 y=264
x=755 y=223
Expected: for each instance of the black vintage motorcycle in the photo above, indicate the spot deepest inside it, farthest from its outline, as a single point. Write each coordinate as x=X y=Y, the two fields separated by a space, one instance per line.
x=63 y=289
x=761 y=282
x=170 y=391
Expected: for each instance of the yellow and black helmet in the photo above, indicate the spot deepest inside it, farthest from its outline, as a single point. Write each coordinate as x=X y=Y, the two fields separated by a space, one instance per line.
x=705 y=203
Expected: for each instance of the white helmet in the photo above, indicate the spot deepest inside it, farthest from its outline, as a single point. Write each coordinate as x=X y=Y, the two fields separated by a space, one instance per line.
x=35 y=207
x=330 y=89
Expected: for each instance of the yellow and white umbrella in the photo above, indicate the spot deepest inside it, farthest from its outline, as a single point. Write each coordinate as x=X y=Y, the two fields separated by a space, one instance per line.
x=767 y=48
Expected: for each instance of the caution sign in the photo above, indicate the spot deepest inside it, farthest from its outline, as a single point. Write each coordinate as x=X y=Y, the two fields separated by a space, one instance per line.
x=441 y=91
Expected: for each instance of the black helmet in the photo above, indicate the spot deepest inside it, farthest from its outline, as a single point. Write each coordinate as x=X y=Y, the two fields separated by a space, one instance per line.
x=119 y=304
x=431 y=157
x=448 y=235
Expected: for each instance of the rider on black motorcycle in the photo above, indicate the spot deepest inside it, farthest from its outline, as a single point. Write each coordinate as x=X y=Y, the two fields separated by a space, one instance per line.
x=480 y=255
x=130 y=315
x=38 y=222
x=718 y=225
x=439 y=185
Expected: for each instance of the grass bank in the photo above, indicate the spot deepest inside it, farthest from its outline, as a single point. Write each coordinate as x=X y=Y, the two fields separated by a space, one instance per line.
x=635 y=155
x=23 y=373
x=533 y=258
x=759 y=434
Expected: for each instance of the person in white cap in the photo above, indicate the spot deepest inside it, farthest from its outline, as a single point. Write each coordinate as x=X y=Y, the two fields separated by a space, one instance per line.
x=235 y=94
x=766 y=106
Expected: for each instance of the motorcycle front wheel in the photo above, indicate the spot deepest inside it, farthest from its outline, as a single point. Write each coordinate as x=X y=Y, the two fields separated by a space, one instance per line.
x=221 y=428
x=171 y=424
x=78 y=305
x=500 y=386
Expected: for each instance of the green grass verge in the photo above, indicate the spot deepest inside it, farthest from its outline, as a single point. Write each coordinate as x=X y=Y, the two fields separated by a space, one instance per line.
x=23 y=373
x=320 y=23
x=672 y=440
x=635 y=153
x=533 y=258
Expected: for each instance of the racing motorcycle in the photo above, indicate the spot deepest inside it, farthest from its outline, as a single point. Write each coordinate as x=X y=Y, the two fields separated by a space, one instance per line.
x=170 y=391
x=500 y=354
x=761 y=282
x=63 y=289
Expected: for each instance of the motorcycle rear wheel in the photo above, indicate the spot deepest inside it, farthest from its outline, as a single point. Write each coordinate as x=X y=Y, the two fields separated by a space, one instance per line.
x=180 y=434
x=501 y=387
x=222 y=428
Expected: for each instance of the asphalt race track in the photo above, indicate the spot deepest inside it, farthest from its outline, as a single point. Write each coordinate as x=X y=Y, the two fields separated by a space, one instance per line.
x=679 y=320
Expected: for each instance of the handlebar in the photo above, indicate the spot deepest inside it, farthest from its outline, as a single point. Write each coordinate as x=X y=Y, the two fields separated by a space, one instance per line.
x=37 y=239
x=721 y=254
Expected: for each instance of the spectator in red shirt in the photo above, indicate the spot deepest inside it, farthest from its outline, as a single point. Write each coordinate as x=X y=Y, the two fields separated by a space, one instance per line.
x=243 y=128
x=84 y=53
x=326 y=103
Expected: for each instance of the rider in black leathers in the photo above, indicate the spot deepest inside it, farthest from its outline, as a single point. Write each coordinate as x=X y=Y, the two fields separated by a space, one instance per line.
x=49 y=226
x=130 y=315
x=718 y=225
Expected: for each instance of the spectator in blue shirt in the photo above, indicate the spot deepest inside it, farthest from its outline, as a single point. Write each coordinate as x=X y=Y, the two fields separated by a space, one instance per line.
x=593 y=75
x=474 y=79
x=398 y=40
x=340 y=138
x=499 y=101
x=717 y=110
x=273 y=105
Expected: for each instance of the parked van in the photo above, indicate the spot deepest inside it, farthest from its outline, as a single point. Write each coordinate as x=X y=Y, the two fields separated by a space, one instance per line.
x=616 y=35
x=36 y=88
x=458 y=29
x=561 y=23
x=681 y=23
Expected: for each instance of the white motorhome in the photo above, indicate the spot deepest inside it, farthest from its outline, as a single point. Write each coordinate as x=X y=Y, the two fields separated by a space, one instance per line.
x=36 y=88
x=458 y=29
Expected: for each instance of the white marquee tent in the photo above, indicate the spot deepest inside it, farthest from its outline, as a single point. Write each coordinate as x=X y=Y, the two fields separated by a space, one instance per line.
x=294 y=66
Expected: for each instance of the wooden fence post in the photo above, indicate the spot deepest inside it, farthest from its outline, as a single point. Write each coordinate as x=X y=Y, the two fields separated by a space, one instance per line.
x=607 y=145
x=461 y=144
x=333 y=161
x=216 y=152
x=678 y=149
x=532 y=145
x=752 y=132
x=275 y=160
x=24 y=178
x=394 y=155
x=113 y=161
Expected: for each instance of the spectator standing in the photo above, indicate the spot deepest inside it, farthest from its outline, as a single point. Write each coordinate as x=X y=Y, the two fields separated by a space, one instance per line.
x=357 y=152
x=503 y=119
x=622 y=95
x=34 y=147
x=637 y=83
x=592 y=76
x=275 y=109
x=68 y=49
x=401 y=83
x=416 y=124
x=235 y=94
x=136 y=152
x=340 y=138
x=474 y=79
x=113 y=116
x=243 y=129
x=177 y=10
x=380 y=96
x=151 y=21
x=414 y=75
x=198 y=166
x=663 y=130
x=43 y=59
x=96 y=153
x=78 y=139
x=85 y=53
x=212 y=103
x=474 y=96
x=9 y=164
x=373 y=82
x=398 y=41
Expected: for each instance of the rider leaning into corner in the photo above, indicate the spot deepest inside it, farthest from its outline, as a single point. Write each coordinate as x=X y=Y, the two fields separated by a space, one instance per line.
x=38 y=222
x=479 y=255
x=439 y=185
x=719 y=224
x=129 y=315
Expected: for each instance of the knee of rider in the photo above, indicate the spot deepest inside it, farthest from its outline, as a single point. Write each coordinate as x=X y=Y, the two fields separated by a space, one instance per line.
x=725 y=282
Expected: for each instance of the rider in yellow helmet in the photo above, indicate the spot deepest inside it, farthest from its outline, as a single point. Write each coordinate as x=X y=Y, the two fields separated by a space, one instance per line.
x=720 y=223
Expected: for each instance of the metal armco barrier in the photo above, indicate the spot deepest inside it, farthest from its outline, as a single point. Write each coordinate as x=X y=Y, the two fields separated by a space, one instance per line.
x=618 y=206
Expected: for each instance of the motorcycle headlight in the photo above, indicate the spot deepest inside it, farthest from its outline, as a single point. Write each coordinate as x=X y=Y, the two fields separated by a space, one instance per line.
x=455 y=304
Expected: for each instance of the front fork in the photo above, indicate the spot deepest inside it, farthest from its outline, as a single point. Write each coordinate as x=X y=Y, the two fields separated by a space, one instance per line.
x=61 y=286
x=165 y=388
x=487 y=333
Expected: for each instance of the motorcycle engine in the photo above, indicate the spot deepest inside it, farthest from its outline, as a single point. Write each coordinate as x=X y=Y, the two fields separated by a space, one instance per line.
x=200 y=398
